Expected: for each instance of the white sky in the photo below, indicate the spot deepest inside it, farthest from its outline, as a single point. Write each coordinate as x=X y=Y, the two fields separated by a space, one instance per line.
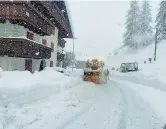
x=99 y=26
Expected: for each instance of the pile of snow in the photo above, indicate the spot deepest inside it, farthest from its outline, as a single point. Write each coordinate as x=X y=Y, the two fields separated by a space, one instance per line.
x=74 y=72
x=23 y=87
x=58 y=69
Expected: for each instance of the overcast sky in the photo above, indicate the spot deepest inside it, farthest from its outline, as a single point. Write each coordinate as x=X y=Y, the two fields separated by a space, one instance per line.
x=99 y=26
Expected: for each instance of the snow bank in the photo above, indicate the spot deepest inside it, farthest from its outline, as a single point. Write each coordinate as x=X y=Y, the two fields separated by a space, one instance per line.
x=155 y=98
x=23 y=87
x=149 y=82
x=154 y=72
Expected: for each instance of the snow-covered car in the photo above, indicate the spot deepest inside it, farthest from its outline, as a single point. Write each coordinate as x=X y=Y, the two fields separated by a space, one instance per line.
x=126 y=67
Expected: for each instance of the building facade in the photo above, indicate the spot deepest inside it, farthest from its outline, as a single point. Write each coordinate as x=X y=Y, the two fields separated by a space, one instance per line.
x=31 y=34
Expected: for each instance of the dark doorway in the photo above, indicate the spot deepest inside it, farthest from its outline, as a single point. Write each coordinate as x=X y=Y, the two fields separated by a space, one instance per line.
x=42 y=65
x=51 y=63
x=28 y=65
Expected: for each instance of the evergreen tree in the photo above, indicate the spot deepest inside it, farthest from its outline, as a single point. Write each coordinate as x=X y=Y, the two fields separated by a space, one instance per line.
x=69 y=60
x=146 y=18
x=132 y=25
x=145 y=25
x=160 y=19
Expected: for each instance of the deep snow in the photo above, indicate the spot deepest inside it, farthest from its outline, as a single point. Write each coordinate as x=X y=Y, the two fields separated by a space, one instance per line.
x=50 y=99
x=149 y=82
x=20 y=90
x=113 y=105
x=27 y=87
x=150 y=91
x=127 y=55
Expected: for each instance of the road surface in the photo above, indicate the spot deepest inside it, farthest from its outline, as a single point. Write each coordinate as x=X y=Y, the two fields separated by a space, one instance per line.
x=85 y=106
x=119 y=108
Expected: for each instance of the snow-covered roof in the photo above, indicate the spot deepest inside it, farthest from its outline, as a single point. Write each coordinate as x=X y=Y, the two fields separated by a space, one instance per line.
x=69 y=18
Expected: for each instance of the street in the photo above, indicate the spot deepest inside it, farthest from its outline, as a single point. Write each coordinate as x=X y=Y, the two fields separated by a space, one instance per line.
x=87 y=105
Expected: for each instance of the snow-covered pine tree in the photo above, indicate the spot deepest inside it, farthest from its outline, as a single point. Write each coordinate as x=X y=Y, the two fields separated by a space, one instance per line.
x=145 y=24
x=161 y=19
x=132 y=25
x=69 y=60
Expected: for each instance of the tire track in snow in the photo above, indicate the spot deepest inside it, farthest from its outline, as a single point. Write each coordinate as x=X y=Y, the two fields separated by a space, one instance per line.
x=139 y=114
x=105 y=112
x=79 y=114
x=123 y=118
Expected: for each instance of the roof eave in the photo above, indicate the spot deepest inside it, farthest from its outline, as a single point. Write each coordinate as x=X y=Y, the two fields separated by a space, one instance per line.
x=70 y=20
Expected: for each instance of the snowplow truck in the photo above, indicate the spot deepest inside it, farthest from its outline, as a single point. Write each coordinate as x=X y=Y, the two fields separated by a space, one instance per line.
x=94 y=71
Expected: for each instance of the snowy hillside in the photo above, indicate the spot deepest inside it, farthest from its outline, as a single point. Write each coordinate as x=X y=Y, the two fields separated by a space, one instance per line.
x=127 y=55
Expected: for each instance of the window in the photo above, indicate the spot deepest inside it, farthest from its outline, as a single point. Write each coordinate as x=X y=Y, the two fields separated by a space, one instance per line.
x=52 y=47
x=30 y=35
x=51 y=63
x=44 y=42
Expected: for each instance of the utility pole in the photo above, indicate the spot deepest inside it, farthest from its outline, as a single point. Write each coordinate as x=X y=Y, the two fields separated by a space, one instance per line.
x=155 y=44
x=73 y=53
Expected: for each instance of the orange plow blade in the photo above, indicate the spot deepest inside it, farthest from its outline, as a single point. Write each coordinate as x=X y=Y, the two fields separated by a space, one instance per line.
x=92 y=77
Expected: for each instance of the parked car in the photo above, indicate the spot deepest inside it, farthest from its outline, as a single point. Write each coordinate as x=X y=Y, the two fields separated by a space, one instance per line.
x=127 y=67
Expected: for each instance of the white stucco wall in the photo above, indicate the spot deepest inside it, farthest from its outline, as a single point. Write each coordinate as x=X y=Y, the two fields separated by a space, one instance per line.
x=54 y=39
x=12 y=63
x=14 y=30
x=35 y=64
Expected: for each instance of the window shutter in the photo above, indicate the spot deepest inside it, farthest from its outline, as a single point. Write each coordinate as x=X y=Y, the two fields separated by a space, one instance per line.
x=52 y=46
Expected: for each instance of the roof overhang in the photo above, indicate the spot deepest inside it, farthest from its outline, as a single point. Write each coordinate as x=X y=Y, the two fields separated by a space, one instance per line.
x=72 y=35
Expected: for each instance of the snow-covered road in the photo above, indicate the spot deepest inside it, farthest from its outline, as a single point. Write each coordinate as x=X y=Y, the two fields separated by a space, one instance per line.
x=119 y=108
x=107 y=112
x=139 y=113
x=111 y=106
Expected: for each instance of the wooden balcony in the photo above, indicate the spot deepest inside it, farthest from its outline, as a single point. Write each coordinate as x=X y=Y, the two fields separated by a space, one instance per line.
x=60 y=56
x=55 y=12
x=57 y=18
x=24 y=48
x=23 y=13
x=61 y=42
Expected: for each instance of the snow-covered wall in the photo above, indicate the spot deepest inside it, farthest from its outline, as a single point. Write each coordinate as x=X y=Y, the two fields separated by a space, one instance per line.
x=13 y=63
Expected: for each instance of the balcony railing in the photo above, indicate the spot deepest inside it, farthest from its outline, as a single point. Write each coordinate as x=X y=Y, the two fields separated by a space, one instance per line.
x=19 y=47
x=56 y=13
x=27 y=16
x=60 y=56
x=61 y=42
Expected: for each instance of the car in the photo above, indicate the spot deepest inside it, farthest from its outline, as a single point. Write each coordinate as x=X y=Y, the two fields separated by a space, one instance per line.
x=127 y=67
